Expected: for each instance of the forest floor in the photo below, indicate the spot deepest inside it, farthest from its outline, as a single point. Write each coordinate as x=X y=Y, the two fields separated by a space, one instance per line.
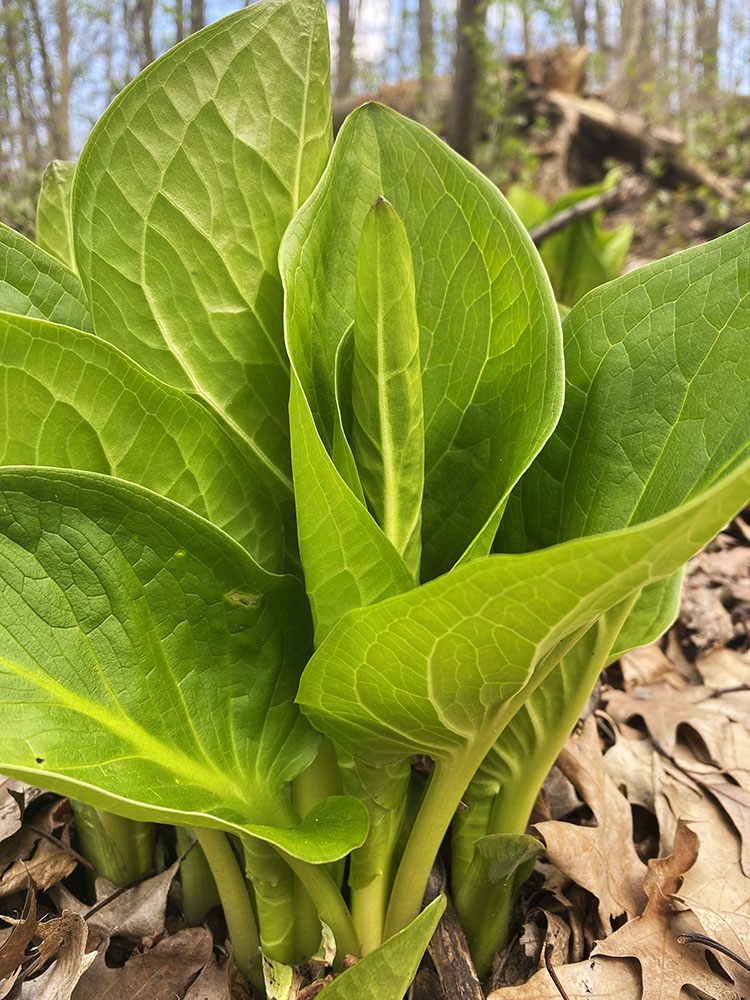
x=643 y=891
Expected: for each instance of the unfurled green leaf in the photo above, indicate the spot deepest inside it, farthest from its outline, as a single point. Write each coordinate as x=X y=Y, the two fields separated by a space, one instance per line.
x=387 y=432
x=182 y=194
x=148 y=665
x=489 y=344
x=440 y=669
x=363 y=566
x=657 y=406
x=386 y=973
x=77 y=402
x=32 y=283
x=54 y=223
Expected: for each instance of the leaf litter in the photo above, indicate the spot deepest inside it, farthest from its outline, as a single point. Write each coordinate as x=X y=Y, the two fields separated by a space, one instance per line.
x=643 y=894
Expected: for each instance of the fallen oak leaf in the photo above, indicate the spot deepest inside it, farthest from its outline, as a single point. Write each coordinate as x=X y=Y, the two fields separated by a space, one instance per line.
x=716 y=879
x=603 y=858
x=730 y=931
x=15 y=797
x=134 y=911
x=64 y=939
x=13 y=952
x=600 y=978
x=649 y=665
x=734 y=800
x=36 y=852
x=666 y=965
x=158 y=974
x=211 y=984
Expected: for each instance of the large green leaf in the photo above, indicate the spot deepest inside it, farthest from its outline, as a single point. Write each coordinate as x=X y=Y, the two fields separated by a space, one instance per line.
x=348 y=561
x=657 y=402
x=182 y=194
x=442 y=669
x=148 y=665
x=32 y=283
x=54 y=223
x=387 y=431
x=78 y=402
x=489 y=336
x=386 y=973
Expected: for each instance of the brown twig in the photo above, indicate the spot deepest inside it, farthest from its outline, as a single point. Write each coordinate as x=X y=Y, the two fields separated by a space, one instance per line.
x=578 y=211
x=63 y=847
x=730 y=690
x=693 y=938
x=548 y=949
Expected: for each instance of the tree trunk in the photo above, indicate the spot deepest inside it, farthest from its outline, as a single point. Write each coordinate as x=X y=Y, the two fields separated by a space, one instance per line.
x=634 y=69
x=600 y=27
x=578 y=11
x=55 y=141
x=179 y=21
x=707 y=16
x=427 y=59
x=145 y=17
x=65 y=81
x=526 y=20
x=25 y=119
x=345 y=66
x=197 y=15
x=470 y=22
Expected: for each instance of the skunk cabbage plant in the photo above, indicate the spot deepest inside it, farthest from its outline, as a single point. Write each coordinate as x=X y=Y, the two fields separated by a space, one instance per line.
x=301 y=477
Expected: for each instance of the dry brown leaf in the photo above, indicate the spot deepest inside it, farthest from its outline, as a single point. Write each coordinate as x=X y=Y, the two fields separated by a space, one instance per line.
x=628 y=763
x=666 y=965
x=594 y=979
x=717 y=581
x=664 y=709
x=211 y=984
x=158 y=974
x=29 y=852
x=733 y=931
x=724 y=668
x=555 y=931
x=735 y=802
x=649 y=665
x=603 y=858
x=716 y=879
x=10 y=814
x=65 y=939
x=13 y=952
x=136 y=913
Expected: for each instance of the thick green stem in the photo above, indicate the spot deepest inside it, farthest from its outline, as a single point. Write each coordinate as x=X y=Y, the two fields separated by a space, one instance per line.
x=384 y=791
x=369 y=906
x=199 y=892
x=486 y=911
x=515 y=800
x=448 y=782
x=489 y=931
x=330 y=905
x=321 y=779
x=273 y=884
x=467 y=827
x=238 y=910
x=444 y=790
x=120 y=849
